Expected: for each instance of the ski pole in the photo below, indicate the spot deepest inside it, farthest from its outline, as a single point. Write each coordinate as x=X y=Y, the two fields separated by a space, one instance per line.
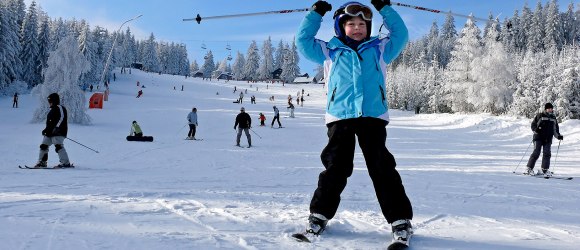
x=82 y=145
x=556 y=160
x=255 y=133
x=441 y=12
x=181 y=129
x=523 y=156
x=198 y=19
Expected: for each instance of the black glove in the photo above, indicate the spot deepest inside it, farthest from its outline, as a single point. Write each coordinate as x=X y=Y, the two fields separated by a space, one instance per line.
x=234 y=127
x=379 y=4
x=321 y=7
x=45 y=132
x=560 y=137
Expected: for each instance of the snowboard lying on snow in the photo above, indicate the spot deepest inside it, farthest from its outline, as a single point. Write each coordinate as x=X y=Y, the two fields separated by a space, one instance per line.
x=139 y=138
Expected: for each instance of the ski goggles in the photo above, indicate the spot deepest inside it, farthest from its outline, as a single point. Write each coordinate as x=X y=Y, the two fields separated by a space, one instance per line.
x=356 y=10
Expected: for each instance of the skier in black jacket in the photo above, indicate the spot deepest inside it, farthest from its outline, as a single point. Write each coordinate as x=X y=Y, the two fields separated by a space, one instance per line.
x=245 y=123
x=544 y=126
x=54 y=133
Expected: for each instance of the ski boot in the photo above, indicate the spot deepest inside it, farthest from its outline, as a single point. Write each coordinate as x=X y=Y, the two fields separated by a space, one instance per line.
x=64 y=165
x=402 y=232
x=40 y=164
x=529 y=171
x=316 y=224
x=547 y=173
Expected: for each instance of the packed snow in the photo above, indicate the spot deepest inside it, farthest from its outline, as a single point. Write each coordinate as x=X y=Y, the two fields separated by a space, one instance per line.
x=180 y=194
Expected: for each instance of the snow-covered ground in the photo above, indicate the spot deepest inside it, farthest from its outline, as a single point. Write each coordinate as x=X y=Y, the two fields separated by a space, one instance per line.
x=179 y=194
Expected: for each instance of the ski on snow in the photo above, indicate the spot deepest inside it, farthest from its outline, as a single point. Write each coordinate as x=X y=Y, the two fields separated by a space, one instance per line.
x=547 y=177
x=395 y=245
x=301 y=237
x=55 y=167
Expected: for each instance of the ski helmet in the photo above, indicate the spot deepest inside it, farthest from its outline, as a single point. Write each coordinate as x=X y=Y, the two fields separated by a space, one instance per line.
x=548 y=106
x=54 y=99
x=341 y=16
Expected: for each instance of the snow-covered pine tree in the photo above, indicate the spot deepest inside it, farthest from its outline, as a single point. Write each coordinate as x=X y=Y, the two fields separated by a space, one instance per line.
x=9 y=47
x=252 y=62
x=554 y=38
x=65 y=66
x=459 y=72
x=279 y=56
x=57 y=32
x=238 y=66
x=126 y=56
x=208 y=64
x=267 y=65
x=531 y=72
x=567 y=89
x=149 y=57
x=43 y=43
x=570 y=26
x=290 y=68
x=88 y=48
x=536 y=31
x=434 y=88
x=448 y=35
x=495 y=76
x=30 y=71
x=526 y=25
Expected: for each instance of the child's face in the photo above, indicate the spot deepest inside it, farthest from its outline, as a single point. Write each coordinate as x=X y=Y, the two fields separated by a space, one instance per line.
x=356 y=28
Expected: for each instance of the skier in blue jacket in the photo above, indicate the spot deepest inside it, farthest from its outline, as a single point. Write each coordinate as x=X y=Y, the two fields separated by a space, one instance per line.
x=355 y=69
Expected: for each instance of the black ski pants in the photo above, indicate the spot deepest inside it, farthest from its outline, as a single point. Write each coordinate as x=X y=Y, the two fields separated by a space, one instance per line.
x=546 y=147
x=191 y=130
x=276 y=118
x=337 y=157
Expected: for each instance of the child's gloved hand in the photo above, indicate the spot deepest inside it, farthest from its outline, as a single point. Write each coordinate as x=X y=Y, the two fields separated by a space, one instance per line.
x=379 y=4
x=321 y=7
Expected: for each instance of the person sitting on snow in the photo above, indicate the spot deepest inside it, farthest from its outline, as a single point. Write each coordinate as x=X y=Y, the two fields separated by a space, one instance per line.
x=136 y=130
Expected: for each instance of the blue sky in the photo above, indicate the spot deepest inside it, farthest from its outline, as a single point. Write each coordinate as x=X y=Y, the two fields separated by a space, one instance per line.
x=164 y=19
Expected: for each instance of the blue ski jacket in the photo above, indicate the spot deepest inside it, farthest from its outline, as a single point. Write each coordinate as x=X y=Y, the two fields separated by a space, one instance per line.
x=355 y=87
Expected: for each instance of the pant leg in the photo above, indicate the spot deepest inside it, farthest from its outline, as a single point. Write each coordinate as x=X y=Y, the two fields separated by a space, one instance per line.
x=60 y=150
x=337 y=157
x=193 y=131
x=43 y=154
x=547 y=154
x=535 y=154
x=278 y=119
x=191 y=127
x=247 y=131
x=239 y=135
x=372 y=135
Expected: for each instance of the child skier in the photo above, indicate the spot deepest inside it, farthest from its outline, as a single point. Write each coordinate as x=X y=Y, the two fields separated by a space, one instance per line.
x=262 y=119
x=357 y=107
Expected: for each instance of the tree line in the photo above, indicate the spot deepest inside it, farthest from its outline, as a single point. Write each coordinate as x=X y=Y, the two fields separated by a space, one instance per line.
x=27 y=35
x=512 y=67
